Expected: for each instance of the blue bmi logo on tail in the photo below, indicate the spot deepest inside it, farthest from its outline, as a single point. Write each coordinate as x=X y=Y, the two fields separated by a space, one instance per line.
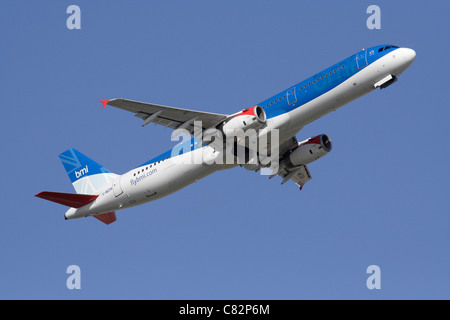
x=86 y=175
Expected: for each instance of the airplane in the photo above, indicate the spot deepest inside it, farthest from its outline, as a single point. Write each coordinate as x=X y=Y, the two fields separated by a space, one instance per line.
x=99 y=192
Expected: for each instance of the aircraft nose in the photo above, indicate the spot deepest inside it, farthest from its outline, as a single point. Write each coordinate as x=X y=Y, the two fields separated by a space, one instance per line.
x=409 y=55
x=404 y=57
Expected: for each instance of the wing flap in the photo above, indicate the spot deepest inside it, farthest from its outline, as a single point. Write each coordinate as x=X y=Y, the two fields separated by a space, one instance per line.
x=300 y=175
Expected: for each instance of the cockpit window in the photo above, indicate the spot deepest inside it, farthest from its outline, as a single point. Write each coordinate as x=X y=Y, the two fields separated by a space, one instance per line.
x=387 y=47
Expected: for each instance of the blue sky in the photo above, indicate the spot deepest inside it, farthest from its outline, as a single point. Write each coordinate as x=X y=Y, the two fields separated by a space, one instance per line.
x=379 y=198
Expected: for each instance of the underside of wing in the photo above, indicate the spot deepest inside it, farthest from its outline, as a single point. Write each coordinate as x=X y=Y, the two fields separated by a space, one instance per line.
x=175 y=118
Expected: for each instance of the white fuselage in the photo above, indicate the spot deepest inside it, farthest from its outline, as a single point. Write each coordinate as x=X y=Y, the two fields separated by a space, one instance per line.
x=153 y=181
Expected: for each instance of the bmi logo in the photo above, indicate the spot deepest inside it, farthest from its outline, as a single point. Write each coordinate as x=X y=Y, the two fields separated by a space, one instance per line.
x=82 y=172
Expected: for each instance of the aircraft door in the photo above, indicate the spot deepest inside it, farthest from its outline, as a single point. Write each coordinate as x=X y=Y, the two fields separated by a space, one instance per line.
x=116 y=187
x=361 y=59
x=291 y=96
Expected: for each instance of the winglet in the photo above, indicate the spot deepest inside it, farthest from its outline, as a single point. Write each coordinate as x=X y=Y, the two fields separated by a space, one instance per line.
x=105 y=102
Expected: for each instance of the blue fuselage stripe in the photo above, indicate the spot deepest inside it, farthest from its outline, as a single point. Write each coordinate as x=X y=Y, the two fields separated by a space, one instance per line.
x=302 y=92
x=321 y=82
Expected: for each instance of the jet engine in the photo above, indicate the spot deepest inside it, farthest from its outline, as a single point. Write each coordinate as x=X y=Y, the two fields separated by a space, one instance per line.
x=309 y=150
x=252 y=118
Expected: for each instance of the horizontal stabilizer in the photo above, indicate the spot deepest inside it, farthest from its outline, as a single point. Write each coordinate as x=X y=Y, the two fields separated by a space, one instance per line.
x=107 y=218
x=68 y=199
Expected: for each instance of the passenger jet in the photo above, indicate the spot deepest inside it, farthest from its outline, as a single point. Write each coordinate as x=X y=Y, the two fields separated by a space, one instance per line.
x=99 y=192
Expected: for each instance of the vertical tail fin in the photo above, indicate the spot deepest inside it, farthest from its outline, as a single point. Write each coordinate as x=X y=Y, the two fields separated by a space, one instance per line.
x=86 y=175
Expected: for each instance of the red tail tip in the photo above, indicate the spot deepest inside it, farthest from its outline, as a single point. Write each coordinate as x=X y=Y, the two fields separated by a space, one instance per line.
x=105 y=102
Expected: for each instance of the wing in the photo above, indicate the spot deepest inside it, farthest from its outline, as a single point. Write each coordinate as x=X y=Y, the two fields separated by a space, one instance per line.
x=175 y=118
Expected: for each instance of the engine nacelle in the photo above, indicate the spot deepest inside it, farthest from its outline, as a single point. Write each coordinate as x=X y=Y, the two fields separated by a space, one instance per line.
x=252 y=118
x=309 y=150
